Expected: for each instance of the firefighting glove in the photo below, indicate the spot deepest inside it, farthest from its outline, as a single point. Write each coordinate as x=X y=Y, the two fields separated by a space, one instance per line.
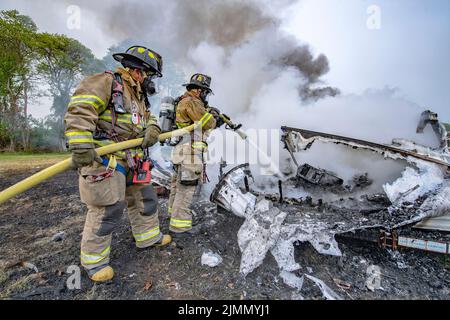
x=216 y=114
x=83 y=157
x=151 y=136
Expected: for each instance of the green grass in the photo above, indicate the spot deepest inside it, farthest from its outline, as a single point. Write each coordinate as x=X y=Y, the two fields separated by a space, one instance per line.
x=18 y=286
x=24 y=161
x=20 y=156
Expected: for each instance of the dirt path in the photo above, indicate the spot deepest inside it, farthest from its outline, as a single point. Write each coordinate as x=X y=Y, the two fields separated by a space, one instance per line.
x=29 y=221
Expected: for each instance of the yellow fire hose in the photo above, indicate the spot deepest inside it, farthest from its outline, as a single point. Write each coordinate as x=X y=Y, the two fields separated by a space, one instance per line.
x=66 y=164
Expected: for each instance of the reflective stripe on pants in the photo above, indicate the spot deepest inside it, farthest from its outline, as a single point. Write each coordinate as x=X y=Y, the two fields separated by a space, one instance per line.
x=182 y=195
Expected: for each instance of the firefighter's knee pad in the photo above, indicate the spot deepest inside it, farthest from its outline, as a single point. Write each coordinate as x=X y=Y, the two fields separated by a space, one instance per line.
x=189 y=182
x=111 y=218
x=150 y=199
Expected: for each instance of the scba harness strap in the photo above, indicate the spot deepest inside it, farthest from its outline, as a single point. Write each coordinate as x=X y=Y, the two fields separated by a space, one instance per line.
x=140 y=167
x=111 y=166
x=107 y=163
x=116 y=105
x=116 y=93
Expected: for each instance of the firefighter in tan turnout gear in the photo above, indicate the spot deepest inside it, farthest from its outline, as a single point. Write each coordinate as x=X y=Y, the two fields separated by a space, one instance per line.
x=108 y=108
x=187 y=156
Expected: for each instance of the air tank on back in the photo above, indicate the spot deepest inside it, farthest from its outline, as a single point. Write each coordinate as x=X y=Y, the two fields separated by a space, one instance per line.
x=167 y=114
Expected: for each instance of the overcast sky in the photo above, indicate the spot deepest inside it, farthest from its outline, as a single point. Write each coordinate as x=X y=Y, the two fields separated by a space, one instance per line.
x=410 y=50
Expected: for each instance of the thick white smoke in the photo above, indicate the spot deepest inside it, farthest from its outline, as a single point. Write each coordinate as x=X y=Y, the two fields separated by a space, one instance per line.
x=264 y=78
x=262 y=95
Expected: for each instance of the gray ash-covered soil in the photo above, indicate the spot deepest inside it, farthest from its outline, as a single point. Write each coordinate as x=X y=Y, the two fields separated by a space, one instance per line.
x=29 y=221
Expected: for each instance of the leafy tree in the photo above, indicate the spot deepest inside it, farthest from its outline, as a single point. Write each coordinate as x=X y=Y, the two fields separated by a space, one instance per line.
x=5 y=137
x=29 y=60
x=42 y=136
x=63 y=62
x=16 y=65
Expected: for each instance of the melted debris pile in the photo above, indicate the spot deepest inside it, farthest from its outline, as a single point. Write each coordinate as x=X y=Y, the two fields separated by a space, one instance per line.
x=421 y=192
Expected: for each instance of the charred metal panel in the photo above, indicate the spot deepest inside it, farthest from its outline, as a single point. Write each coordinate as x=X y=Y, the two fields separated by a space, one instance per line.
x=310 y=136
x=318 y=176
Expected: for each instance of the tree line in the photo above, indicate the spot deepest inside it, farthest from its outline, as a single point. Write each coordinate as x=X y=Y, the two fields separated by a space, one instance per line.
x=35 y=64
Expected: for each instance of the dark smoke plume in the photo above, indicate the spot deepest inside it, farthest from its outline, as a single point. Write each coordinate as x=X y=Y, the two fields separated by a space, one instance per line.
x=312 y=69
x=173 y=27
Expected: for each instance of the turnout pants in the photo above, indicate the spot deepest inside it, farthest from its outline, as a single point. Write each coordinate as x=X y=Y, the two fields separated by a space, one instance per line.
x=188 y=166
x=106 y=201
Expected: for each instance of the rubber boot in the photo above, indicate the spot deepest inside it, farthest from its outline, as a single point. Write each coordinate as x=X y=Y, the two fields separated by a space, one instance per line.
x=101 y=274
x=197 y=229
x=165 y=240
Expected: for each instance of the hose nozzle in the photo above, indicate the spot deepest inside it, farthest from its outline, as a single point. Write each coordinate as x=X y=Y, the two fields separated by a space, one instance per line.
x=234 y=127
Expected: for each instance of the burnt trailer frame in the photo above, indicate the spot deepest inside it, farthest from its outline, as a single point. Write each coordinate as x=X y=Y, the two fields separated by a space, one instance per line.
x=394 y=240
x=357 y=143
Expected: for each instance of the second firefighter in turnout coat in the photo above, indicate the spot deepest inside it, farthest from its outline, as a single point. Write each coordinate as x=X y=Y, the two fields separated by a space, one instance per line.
x=187 y=156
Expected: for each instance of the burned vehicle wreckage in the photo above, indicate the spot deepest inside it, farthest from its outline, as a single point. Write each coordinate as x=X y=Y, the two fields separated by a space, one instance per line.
x=411 y=212
x=418 y=199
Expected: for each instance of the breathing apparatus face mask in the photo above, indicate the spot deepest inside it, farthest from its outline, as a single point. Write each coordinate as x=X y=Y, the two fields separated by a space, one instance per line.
x=148 y=86
x=204 y=95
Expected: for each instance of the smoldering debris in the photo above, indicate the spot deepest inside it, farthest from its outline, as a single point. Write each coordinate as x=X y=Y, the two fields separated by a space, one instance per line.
x=318 y=176
x=292 y=280
x=277 y=229
x=263 y=229
x=211 y=259
x=258 y=234
x=327 y=292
